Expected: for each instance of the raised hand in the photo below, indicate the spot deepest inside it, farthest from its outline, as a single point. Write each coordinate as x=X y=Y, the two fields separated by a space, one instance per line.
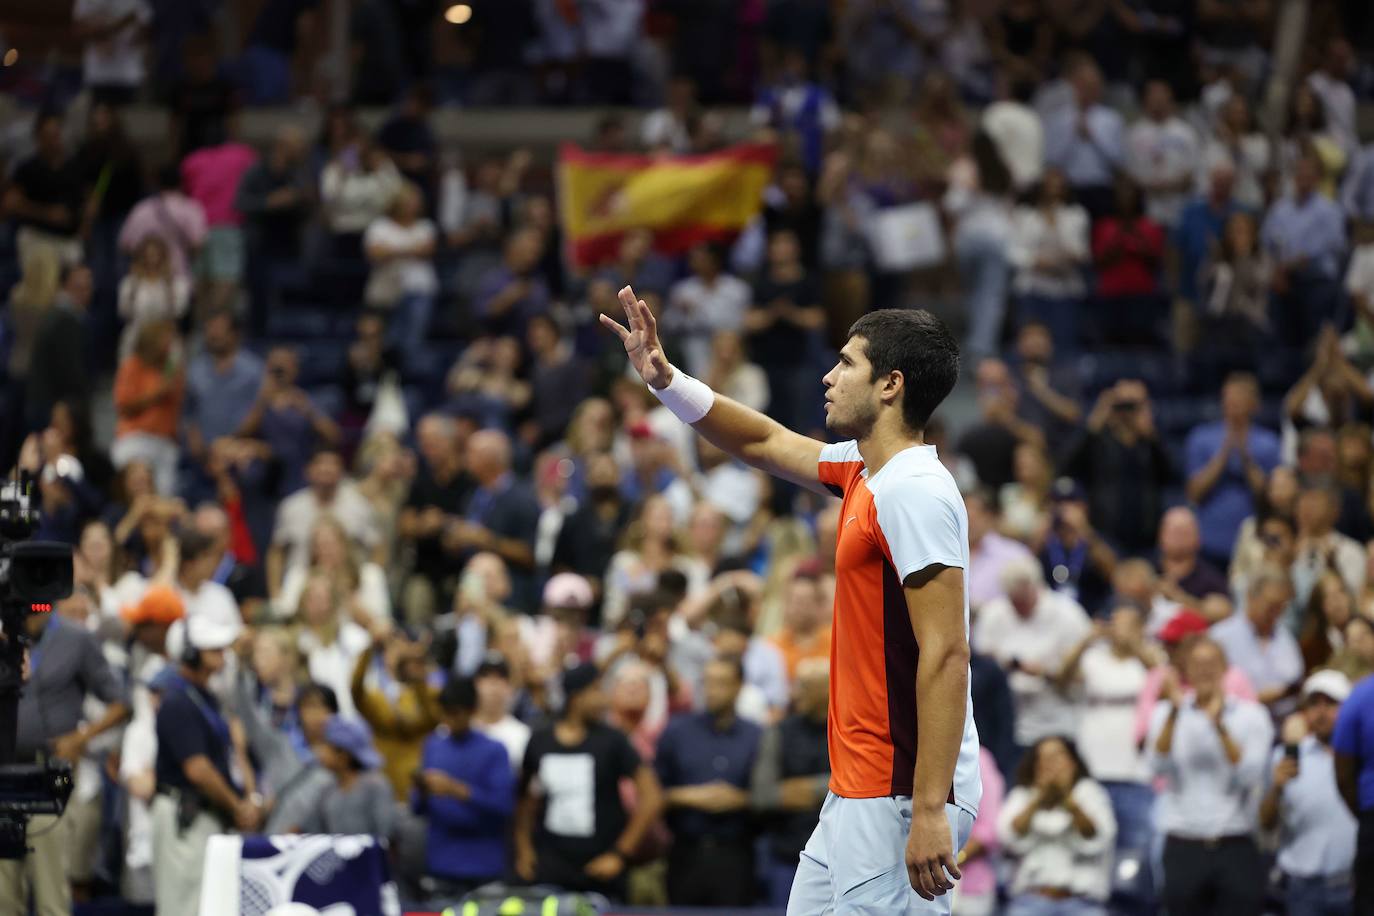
x=641 y=340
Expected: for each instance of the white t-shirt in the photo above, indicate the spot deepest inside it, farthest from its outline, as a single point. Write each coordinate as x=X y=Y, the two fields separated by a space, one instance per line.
x=116 y=60
x=1106 y=727
x=1044 y=639
x=332 y=665
x=513 y=735
x=404 y=275
x=298 y=513
x=1158 y=152
x=372 y=595
x=696 y=311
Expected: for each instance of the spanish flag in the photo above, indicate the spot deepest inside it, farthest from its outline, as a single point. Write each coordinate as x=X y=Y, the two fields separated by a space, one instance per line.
x=684 y=200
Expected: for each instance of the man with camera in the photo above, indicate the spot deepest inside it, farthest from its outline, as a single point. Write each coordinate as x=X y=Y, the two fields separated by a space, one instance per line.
x=1316 y=832
x=65 y=664
x=197 y=795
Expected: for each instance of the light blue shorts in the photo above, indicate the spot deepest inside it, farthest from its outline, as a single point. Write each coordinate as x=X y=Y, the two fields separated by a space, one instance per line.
x=855 y=862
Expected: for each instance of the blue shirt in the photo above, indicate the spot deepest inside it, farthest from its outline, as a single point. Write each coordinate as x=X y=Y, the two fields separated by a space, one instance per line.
x=467 y=839
x=216 y=401
x=1313 y=229
x=1316 y=830
x=692 y=752
x=1088 y=163
x=190 y=724
x=1354 y=737
x=1229 y=502
x=1199 y=227
x=1268 y=663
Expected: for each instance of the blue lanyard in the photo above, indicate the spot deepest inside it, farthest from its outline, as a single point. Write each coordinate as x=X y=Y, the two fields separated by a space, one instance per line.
x=212 y=718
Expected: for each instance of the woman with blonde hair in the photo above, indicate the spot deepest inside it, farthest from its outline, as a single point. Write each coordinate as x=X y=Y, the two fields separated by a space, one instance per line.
x=1322 y=632
x=150 y=291
x=40 y=277
x=360 y=584
x=650 y=547
x=328 y=639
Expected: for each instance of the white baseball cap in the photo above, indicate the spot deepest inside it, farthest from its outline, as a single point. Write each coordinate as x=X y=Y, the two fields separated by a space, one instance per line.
x=205 y=632
x=1328 y=683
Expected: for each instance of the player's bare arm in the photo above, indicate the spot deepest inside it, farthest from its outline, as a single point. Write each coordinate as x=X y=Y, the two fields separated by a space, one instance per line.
x=935 y=601
x=750 y=436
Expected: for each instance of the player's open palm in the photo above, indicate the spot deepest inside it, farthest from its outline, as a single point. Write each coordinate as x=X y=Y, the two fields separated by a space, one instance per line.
x=930 y=862
x=641 y=340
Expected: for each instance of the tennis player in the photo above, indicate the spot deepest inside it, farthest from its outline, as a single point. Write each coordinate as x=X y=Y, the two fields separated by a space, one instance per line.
x=904 y=785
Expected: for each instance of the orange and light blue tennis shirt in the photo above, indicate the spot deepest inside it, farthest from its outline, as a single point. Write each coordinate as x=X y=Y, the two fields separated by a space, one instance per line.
x=907 y=517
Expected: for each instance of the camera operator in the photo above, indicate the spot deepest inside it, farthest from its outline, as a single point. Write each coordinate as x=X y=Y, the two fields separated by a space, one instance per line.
x=196 y=793
x=65 y=665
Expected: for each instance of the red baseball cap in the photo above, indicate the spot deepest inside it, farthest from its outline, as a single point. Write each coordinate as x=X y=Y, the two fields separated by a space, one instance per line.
x=1187 y=622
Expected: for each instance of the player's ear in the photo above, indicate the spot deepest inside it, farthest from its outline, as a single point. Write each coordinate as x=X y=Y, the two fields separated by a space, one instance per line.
x=893 y=387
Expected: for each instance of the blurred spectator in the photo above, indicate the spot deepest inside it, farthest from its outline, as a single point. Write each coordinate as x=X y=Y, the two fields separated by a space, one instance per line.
x=114 y=33
x=994 y=711
x=513 y=292
x=1237 y=145
x=799 y=108
x=357 y=187
x=276 y=196
x=711 y=300
x=223 y=383
x=648 y=549
x=1211 y=751
x=485 y=383
x=151 y=291
x=792 y=775
x=1049 y=251
x=467 y=792
x=639 y=266
x=1316 y=832
x=437 y=494
x=148 y=390
x=1085 y=140
x=171 y=216
x=389 y=689
x=1356 y=660
x=1234 y=294
x=1304 y=235
x=288 y=420
x=1026 y=503
x=976 y=892
x=275 y=60
x=1111 y=664
x=889 y=46
x=500 y=514
x=1331 y=84
x=1030 y=632
x=495 y=699
x=978 y=202
x=805 y=633
x=1262 y=540
x=113 y=177
x=733 y=375
x=587 y=540
x=1227 y=461
x=1254 y=642
x=202 y=98
x=570 y=779
x=45 y=196
x=359 y=801
x=990 y=551
x=211 y=176
x=1332 y=392
x=666 y=129
x=400 y=246
x=559 y=379
x=361 y=582
x=1162 y=154
x=991 y=443
x=1058 y=824
x=371 y=364
x=1187 y=577
x=1076 y=560
x=1202 y=225
x=1128 y=252
x=57 y=371
x=704 y=762
x=410 y=141
x=1358 y=342
x=1122 y=463
x=783 y=322
x=1319 y=546
x=329 y=639
x=327 y=491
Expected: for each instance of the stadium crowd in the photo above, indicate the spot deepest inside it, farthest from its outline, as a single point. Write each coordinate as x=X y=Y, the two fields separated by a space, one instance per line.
x=386 y=540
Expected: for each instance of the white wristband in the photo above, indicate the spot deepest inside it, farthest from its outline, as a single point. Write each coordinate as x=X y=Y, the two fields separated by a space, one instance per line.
x=688 y=398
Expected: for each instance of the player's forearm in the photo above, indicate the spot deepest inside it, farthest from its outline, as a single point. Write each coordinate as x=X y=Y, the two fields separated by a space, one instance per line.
x=760 y=441
x=941 y=703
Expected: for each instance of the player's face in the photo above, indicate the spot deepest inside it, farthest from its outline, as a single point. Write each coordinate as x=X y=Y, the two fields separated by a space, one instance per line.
x=851 y=397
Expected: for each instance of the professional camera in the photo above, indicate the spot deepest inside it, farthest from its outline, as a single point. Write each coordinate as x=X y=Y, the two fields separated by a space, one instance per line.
x=34 y=576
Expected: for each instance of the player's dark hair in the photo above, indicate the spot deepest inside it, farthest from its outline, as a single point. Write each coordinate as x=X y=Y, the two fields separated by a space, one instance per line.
x=919 y=346
x=1025 y=770
x=458 y=695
